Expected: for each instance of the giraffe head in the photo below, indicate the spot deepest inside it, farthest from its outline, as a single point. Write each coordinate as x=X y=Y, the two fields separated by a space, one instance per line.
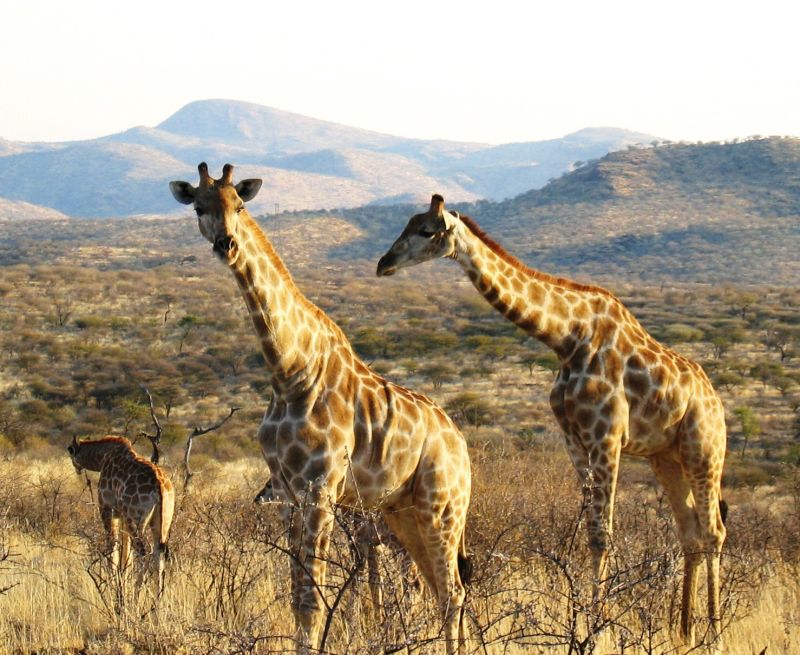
x=427 y=236
x=218 y=204
x=74 y=450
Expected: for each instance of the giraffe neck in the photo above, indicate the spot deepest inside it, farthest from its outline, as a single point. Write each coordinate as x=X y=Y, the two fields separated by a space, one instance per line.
x=92 y=454
x=557 y=312
x=294 y=334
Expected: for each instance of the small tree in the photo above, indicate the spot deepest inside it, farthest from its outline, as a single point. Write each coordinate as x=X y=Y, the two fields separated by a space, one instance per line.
x=186 y=325
x=471 y=408
x=750 y=425
x=781 y=338
x=437 y=373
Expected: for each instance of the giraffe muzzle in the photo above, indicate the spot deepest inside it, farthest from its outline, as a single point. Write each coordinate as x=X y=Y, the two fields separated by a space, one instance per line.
x=224 y=245
x=386 y=266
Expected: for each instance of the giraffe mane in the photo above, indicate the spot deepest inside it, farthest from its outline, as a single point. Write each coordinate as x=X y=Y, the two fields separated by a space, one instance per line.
x=107 y=439
x=507 y=257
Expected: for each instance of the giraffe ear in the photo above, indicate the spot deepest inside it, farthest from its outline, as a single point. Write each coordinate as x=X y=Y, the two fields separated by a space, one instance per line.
x=437 y=205
x=183 y=192
x=450 y=219
x=247 y=189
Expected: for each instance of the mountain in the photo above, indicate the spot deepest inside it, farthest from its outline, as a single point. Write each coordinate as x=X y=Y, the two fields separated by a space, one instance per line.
x=705 y=213
x=702 y=214
x=306 y=163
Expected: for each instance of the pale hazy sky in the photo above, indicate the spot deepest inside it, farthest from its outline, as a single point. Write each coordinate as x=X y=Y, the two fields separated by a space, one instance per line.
x=492 y=71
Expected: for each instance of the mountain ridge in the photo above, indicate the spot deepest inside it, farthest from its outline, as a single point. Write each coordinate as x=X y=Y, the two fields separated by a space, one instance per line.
x=701 y=214
x=308 y=163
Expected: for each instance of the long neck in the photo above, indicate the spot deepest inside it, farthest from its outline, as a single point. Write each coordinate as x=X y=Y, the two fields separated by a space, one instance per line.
x=557 y=312
x=294 y=334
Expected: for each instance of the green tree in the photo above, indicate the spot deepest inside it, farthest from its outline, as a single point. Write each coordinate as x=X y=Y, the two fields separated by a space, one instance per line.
x=749 y=424
x=782 y=338
x=437 y=373
x=186 y=325
x=470 y=408
x=767 y=372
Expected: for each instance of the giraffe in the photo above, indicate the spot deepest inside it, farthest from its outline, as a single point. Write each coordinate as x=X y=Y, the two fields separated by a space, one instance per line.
x=132 y=491
x=618 y=391
x=335 y=432
x=370 y=536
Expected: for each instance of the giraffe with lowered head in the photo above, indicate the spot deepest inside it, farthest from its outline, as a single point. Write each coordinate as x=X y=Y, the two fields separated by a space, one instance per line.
x=618 y=391
x=335 y=432
x=134 y=492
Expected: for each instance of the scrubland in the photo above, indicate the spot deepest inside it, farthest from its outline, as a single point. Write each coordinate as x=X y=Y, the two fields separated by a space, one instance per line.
x=228 y=581
x=84 y=327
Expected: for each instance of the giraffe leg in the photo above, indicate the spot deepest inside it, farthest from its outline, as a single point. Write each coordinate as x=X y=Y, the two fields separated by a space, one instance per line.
x=368 y=544
x=309 y=529
x=670 y=476
x=111 y=523
x=438 y=535
x=706 y=492
x=403 y=524
x=160 y=549
x=603 y=458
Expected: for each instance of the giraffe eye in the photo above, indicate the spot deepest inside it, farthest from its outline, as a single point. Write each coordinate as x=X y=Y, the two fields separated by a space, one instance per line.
x=199 y=211
x=240 y=209
x=426 y=234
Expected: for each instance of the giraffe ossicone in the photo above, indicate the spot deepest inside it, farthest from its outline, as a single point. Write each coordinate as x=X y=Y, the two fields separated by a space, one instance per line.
x=618 y=391
x=134 y=496
x=335 y=432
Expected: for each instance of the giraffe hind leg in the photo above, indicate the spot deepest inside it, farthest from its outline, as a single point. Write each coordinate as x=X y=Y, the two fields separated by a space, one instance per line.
x=679 y=493
x=442 y=546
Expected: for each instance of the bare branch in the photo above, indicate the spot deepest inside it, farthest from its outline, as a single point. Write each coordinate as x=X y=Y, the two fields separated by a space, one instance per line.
x=199 y=432
x=154 y=439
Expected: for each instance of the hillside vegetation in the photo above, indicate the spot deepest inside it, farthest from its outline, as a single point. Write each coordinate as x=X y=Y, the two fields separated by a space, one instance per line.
x=715 y=214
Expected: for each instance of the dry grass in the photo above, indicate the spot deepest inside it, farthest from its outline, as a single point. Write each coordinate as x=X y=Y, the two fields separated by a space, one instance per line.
x=228 y=583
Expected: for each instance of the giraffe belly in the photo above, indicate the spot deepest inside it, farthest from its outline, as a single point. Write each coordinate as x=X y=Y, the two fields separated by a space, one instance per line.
x=645 y=439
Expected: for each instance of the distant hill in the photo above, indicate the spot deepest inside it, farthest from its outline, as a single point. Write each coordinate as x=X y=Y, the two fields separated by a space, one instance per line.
x=703 y=213
x=708 y=214
x=306 y=163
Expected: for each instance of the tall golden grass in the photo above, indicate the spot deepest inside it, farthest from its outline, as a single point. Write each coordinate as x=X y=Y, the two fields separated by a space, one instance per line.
x=228 y=578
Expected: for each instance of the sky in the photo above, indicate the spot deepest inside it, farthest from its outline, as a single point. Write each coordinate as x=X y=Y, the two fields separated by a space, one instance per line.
x=494 y=71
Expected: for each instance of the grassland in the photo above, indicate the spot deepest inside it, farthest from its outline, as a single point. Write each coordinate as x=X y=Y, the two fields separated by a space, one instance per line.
x=87 y=319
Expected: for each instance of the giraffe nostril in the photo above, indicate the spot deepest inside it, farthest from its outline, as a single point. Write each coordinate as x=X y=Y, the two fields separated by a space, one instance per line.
x=223 y=245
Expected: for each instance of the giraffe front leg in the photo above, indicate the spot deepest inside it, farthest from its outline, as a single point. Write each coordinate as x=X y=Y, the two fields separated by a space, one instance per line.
x=111 y=526
x=111 y=523
x=603 y=456
x=309 y=528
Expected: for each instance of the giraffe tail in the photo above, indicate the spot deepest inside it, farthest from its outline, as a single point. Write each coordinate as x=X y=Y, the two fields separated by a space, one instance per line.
x=464 y=564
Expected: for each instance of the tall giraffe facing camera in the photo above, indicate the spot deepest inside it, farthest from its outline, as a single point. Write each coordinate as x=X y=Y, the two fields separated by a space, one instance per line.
x=335 y=432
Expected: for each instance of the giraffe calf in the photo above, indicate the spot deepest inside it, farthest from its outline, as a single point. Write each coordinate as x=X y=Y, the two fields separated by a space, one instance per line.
x=133 y=492
x=371 y=536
